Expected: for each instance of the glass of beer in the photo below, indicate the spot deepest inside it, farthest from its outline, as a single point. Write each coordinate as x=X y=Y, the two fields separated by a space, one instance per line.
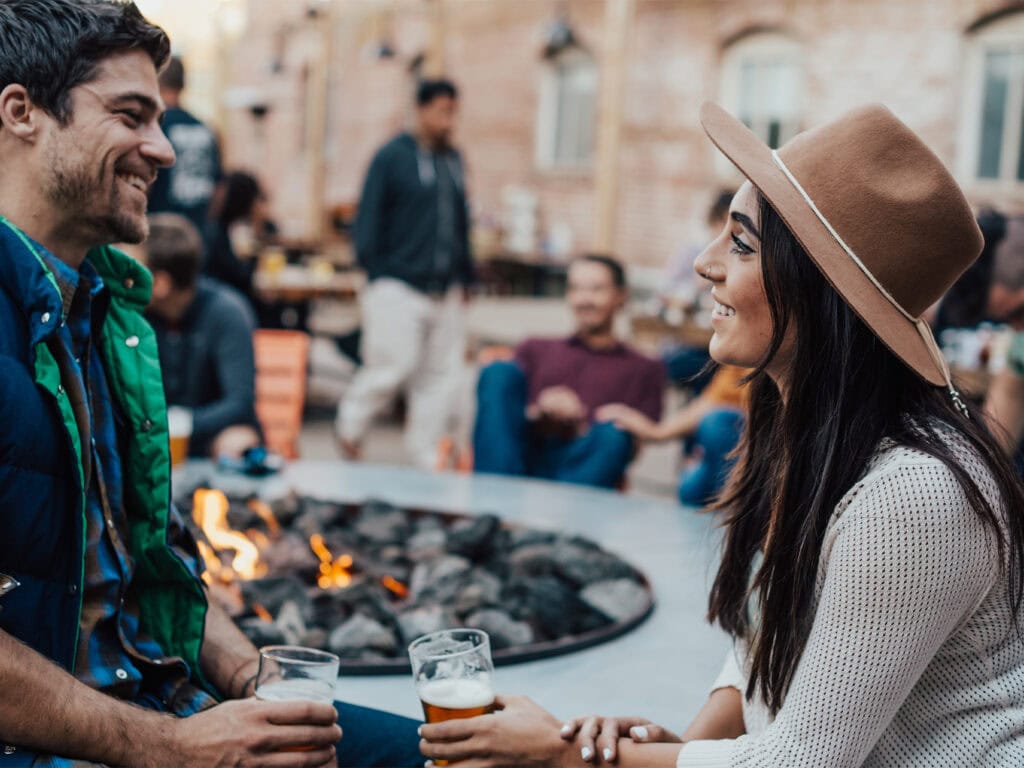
x=294 y=673
x=179 y=425
x=452 y=670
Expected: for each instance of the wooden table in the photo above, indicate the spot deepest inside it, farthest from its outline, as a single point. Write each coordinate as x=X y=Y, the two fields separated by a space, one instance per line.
x=297 y=283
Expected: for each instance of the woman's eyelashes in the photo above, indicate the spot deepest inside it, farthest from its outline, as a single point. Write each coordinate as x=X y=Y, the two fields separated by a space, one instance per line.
x=738 y=246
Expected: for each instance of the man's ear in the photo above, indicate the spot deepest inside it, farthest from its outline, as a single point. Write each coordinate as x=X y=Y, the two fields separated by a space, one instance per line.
x=162 y=285
x=18 y=113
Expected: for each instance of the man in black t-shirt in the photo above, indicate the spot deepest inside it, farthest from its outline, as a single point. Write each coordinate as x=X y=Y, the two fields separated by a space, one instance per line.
x=188 y=185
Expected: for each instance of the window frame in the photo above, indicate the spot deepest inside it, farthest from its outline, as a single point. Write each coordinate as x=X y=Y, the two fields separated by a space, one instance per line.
x=1006 y=33
x=549 y=112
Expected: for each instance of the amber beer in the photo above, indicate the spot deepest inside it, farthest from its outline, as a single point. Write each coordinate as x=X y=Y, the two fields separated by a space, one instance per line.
x=452 y=670
x=179 y=424
x=454 y=699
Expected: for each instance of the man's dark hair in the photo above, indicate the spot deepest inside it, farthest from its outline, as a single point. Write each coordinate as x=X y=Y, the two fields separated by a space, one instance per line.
x=241 y=191
x=175 y=247
x=52 y=46
x=612 y=264
x=719 y=209
x=429 y=90
x=172 y=76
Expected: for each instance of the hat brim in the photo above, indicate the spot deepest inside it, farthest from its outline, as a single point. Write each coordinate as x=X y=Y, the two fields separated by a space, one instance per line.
x=754 y=160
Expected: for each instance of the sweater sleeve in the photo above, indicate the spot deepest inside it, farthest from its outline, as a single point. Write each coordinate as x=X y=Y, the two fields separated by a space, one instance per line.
x=234 y=367
x=907 y=562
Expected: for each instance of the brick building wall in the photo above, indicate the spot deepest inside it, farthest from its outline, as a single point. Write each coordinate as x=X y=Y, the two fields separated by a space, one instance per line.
x=906 y=53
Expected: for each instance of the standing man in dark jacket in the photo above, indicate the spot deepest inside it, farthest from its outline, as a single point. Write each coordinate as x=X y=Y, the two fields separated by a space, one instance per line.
x=110 y=652
x=412 y=238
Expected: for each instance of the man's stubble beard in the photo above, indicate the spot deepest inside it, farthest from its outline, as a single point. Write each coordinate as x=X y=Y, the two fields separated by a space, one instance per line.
x=72 y=188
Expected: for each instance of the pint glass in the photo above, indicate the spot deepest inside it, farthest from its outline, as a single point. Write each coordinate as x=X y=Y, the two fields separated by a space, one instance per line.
x=452 y=670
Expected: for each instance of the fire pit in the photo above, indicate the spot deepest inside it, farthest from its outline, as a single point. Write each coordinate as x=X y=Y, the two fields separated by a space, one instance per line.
x=363 y=580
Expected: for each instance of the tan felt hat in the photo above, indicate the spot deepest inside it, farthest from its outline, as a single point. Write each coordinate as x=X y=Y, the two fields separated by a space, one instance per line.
x=875 y=209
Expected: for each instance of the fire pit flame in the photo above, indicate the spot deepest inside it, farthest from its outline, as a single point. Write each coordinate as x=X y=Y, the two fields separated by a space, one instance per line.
x=333 y=573
x=396 y=587
x=210 y=511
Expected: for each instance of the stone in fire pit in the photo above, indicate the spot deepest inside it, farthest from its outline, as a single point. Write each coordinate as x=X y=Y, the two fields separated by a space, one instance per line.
x=365 y=580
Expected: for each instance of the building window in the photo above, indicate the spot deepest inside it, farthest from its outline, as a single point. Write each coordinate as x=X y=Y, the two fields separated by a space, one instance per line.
x=762 y=84
x=992 y=136
x=565 y=120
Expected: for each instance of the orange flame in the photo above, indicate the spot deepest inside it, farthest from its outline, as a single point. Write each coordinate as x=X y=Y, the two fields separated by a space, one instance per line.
x=266 y=514
x=333 y=573
x=210 y=511
x=262 y=612
x=395 y=586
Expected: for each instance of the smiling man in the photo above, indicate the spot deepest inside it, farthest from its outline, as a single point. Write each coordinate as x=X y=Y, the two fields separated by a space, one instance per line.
x=536 y=415
x=109 y=651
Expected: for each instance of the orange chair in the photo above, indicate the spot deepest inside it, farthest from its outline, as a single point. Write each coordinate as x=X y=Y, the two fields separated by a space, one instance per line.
x=281 y=358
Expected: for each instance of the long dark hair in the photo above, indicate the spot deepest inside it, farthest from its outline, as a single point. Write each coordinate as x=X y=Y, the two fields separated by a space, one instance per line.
x=848 y=393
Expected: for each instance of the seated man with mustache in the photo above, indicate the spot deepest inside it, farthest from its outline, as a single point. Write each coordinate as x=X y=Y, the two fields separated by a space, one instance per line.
x=536 y=414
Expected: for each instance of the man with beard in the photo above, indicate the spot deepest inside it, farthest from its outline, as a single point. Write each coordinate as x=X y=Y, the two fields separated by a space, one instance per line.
x=412 y=238
x=109 y=650
x=536 y=414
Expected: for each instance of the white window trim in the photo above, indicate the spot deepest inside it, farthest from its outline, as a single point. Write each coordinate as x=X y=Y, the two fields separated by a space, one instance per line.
x=1007 y=31
x=547 y=117
x=764 y=44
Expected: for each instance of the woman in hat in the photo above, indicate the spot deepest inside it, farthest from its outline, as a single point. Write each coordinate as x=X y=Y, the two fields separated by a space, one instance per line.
x=872 y=571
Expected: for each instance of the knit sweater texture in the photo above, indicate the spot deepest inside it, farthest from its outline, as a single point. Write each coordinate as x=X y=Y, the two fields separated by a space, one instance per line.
x=913 y=658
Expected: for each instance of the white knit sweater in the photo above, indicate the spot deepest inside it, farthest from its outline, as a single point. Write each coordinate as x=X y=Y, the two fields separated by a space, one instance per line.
x=912 y=659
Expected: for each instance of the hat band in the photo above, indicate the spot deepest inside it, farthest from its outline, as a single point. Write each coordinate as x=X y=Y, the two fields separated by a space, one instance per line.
x=922 y=327
x=842 y=243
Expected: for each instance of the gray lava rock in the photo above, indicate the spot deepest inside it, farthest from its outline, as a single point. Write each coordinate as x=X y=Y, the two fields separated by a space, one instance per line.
x=483 y=590
x=585 y=564
x=504 y=631
x=422 y=620
x=474 y=539
x=273 y=592
x=427 y=544
x=291 y=623
x=618 y=599
x=261 y=632
x=314 y=638
x=361 y=632
x=439 y=578
x=382 y=524
x=551 y=606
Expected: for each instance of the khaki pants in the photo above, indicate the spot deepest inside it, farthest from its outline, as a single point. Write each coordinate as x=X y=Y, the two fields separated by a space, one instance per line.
x=411 y=343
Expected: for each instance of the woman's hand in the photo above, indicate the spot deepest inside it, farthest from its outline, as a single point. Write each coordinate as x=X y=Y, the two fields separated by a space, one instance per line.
x=629 y=420
x=599 y=736
x=519 y=735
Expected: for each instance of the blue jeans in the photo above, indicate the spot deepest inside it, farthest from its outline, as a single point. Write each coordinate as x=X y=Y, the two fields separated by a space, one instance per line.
x=375 y=739
x=717 y=435
x=685 y=366
x=503 y=443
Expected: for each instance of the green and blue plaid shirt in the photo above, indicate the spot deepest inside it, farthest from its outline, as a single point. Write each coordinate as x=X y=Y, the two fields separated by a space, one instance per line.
x=114 y=656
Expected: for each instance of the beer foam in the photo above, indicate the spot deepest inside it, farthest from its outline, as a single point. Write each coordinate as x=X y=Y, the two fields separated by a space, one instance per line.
x=457 y=694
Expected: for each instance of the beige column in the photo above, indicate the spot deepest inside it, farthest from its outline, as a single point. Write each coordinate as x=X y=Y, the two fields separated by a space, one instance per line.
x=434 y=66
x=316 y=121
x=618 y=25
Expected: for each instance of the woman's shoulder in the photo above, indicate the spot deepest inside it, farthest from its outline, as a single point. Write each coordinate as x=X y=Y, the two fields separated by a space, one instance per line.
x=902 y=480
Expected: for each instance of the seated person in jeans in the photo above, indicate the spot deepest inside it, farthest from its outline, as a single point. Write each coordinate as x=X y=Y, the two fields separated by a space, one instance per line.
x=710 y=426
x=204 y=334
x=536 y=414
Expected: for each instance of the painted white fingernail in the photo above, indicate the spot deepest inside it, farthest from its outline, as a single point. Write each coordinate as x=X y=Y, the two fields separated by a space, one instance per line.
x=586 y=752
x=607 y=753
x=566 y=729
x=639 y=732
x=419 y=731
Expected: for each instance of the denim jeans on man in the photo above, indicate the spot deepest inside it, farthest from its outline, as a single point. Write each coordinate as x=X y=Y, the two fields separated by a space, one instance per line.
x=504 y=444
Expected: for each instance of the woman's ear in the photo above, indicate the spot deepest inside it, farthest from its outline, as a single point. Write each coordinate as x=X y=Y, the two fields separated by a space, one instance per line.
x=19 y=115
